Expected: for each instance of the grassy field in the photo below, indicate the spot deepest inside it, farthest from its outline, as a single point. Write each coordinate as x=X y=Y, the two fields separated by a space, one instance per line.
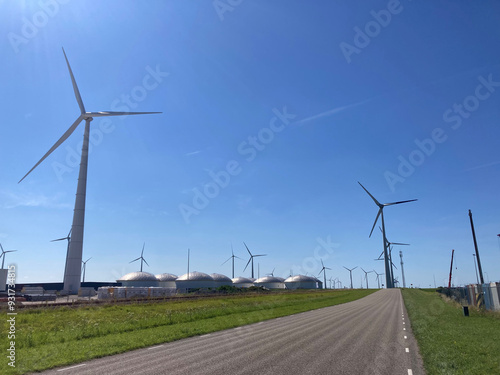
x=58 y=336
x=449 y=342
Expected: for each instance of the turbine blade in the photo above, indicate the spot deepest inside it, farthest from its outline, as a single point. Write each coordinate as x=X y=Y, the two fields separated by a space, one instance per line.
x=226 y=261
x=238 y=257
x=142 y=252
x=375 y=223
x=260 y=255
x=57 y=144
x=327 y=268
x=376 y=201
x=390 y=204
x=110 y=113
x=75 y=87
x=60 y=239
x=398 y=243
x=134 y=260
x=355 y=267
x=249 y=260
x=346 y=268
x=145 y=261
x=247 y=249
x=322 y=263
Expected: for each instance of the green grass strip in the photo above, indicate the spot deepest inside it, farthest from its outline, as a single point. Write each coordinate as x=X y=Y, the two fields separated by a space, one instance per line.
x=449 y=342
x=60 y=336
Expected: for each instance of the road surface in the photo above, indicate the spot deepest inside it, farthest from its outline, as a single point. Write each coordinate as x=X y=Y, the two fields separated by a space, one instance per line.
x=368 y=336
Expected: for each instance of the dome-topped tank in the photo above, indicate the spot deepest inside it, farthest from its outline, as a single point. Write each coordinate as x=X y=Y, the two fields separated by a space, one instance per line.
x=138 y=279
x=138 y=276
x=270 y=282
x=166 y=277
x=195 y=276
x=220 y=277
x=301 y=282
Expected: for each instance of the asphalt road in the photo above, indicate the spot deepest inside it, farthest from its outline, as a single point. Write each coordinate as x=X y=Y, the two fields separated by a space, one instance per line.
x=368 y=336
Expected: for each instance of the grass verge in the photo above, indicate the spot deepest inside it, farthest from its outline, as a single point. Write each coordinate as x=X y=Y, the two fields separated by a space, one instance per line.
x=58 y=336
x=449 y=342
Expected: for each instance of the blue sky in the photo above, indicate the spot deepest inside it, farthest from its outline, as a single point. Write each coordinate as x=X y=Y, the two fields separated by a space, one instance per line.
x=289 y=103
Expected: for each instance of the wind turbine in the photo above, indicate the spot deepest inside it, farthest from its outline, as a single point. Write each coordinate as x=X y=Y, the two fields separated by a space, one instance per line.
x=389 y=245
x=402 y=269
x=324 y=272
x=389 y=281
x=84 y=266
x=251 y=258
x=68 y=238
x=271 y=273
x=231 y=257
x=350 y=272
x=73 y=268
x=378 y=278
x=141 y=257
x=366 y=276
x=3 y=254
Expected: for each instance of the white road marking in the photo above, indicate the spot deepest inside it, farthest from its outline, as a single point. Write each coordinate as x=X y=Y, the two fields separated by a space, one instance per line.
x=404 y=329
x=155 y=347
x=410 y=372
x=406 y=337
x=407 y=350
x=69 y=368
x=404 y=323
x=208 y=334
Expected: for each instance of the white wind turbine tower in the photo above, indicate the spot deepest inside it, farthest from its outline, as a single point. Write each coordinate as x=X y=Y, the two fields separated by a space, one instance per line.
x=68 y=238
x=231 y=257
x=72 y=273
x=3 y=254
x=324 y=273
x=141 y=257
x=366 y=276
x=350 y=272
x=84 y=267
x=389 y=281
x=251 y=258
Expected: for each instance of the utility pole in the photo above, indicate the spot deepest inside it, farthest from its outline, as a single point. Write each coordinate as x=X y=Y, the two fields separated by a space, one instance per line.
x=402 y=269
x=475 y=246
x=451 y=268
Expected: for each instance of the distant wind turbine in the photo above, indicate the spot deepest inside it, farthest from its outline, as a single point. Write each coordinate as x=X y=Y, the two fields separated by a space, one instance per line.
x=251 y=258
x=324 y=272
x=389 y=281
x=378 y=278
x=68 y=238
x=3 y=254
x=141 y=257
x=74 y=258
x=271 y=273
x=366 y=276
x=231 y=257
x=350 y=272
x=84 y=267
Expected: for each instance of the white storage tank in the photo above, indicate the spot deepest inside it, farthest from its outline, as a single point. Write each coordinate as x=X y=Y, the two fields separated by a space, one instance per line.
x=270 y=282
x=301 y=282
x=167 y=280
x=194 y=280
x=138 y=279
x=242 y=282
x=220 y=280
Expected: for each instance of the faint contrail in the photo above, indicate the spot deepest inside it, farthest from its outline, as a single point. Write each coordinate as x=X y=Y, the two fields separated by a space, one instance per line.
x=482 y=166
x=330 y=112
